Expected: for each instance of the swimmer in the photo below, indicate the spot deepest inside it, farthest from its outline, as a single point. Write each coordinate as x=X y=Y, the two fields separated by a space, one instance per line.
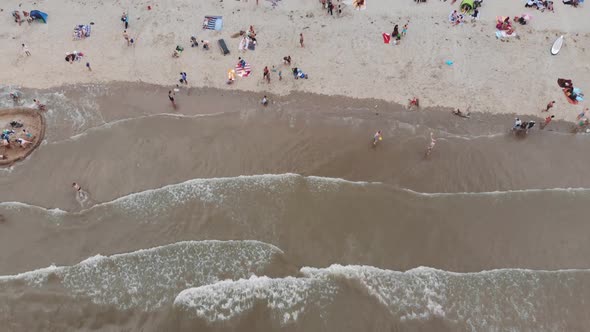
x=431 y=145
x=76 y=186
x=377 y=137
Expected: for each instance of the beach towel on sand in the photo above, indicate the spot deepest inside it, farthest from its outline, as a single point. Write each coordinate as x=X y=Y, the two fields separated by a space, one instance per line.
x=501 y=34
x=386 y=38
x=213 y=23
x=82 y=31
x=243 y=72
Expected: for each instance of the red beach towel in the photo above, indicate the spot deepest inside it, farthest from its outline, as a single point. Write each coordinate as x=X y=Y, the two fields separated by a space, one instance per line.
x=386 y=38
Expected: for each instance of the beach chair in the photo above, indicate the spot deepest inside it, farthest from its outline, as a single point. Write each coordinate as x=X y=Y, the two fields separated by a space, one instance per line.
x=223 y=47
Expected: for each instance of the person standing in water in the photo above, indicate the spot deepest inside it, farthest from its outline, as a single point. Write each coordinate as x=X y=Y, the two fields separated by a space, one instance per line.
x=547 y=121
x=377 y=137
x=171 y=97
x=430 y=146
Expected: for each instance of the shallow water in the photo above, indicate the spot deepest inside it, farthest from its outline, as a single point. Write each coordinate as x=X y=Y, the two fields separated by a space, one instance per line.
x=302 y=177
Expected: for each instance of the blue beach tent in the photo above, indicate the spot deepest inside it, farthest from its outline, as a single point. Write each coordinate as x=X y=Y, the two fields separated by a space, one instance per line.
x=37 y=15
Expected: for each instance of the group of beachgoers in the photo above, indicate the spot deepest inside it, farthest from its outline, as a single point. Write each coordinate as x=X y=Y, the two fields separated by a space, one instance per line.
x=14 y=134
x=541 y=5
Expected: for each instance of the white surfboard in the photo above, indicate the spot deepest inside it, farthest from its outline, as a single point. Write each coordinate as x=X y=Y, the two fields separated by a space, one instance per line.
x=557 y=45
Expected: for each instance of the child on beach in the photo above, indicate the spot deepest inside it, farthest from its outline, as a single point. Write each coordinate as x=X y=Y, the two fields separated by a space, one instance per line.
x=377 y=137
x=301 y=39
x=88 y=66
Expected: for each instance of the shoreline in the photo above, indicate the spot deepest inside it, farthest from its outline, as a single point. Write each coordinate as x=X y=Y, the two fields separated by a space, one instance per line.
x=214 y=133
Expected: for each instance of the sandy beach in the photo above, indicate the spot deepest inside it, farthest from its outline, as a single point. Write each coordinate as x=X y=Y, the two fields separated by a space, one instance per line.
x=342 y=55
x=220 y=213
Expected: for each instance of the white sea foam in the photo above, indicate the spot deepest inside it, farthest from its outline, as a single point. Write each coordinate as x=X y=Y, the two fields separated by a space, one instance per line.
x=108 y=125
x=504 y=299
x=148 y=279
x=573 y=191
x=286 y=297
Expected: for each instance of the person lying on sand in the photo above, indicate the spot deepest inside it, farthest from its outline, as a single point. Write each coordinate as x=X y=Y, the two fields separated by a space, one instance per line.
x=23 y=143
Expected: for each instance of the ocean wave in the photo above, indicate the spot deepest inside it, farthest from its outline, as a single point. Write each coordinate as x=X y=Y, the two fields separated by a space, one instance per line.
x=287 y=298
x=578 y=190
x=225 y=190
x=504 y=299
x=148 y=279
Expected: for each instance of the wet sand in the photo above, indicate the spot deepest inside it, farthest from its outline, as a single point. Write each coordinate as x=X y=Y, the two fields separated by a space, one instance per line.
x=216 y=134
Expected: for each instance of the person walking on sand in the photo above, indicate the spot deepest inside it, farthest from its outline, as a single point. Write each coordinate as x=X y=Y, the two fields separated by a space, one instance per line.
x=26 y=50
x=88 y=66
x=171 y=97
x=330 y=8
x=547 y=121
x=549 y=106
x=183 y=78
x=301 y=39
x=431 y=145
x=266 y=74
x=126 y=36
x=125 y=20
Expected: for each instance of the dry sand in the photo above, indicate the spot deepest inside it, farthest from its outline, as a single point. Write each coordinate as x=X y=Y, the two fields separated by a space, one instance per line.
x=34 y=125
x=343 y=55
